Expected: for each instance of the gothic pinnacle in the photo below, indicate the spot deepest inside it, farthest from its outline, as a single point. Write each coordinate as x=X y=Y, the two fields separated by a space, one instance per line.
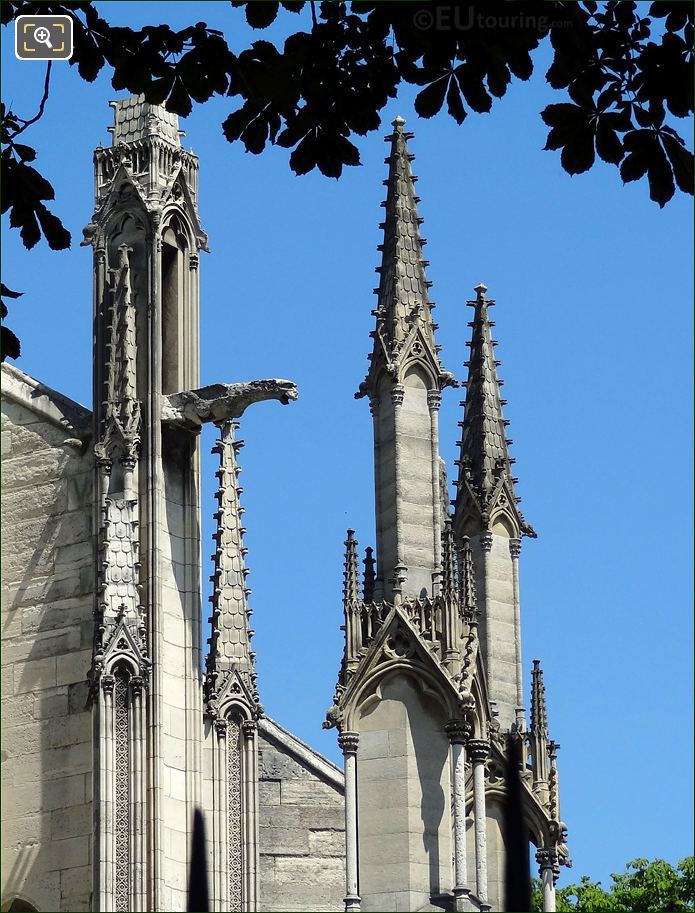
x=539 y=712
x=485 y=486
x=231 y=635
x=449 y=576
x=369 y=575
x=466 y=585
x=351 y=593
x=403 y=314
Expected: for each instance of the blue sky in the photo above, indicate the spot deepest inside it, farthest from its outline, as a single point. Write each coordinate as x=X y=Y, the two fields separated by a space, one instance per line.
x=594 y=291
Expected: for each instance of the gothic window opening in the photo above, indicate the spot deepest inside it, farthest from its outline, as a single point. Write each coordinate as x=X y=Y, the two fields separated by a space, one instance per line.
x=174 y=300
x=121 y=721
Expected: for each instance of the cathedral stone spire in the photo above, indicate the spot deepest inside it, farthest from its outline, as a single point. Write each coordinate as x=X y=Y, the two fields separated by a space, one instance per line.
x=230 y=643
x=404 y=326
x=404 y=385
x=485 y=484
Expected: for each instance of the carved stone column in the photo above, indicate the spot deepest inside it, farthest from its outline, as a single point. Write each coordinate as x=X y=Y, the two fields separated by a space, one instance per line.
x=459 y=732
x=434 y=399
x=486 y=548
x=397 y=398
x=379 y=582
x=221 y=817
x=547 y=865
x=479 y=751
x=250 y=729
x=348 y=741
x=515 y=551
x=139 y=827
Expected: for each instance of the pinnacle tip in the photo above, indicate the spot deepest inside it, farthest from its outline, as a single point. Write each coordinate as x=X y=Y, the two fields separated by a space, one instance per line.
x=398 y=122
x=480 y=289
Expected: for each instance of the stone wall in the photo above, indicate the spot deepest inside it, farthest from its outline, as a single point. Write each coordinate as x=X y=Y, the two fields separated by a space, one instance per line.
x=403 y=791
x=47 y=598
x=302 y=826
x=178 y=674
x=499 y=634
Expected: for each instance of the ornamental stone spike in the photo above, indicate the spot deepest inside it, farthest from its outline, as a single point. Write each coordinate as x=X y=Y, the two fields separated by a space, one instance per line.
x=351 y=586
x=451 y=597
x=230 y=643
x=539 y=732
x=483 y=449
x=120 y=437
x=449 y=570
x=404 y=322
x=467 y=596
x=351 y=602
x=369 y=575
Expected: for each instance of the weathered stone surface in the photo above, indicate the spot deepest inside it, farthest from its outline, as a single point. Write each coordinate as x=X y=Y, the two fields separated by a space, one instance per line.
x=47 y=599
x=302 y=839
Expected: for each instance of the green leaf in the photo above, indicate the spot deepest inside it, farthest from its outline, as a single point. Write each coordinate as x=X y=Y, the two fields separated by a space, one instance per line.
x=429 y=102
x=454 y=102
x=681 y=162
x=608 y=144
x=578 y=155
x=9 y=344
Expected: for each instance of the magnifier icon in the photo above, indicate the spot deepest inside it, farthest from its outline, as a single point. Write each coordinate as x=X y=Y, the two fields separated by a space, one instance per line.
x=43 y=36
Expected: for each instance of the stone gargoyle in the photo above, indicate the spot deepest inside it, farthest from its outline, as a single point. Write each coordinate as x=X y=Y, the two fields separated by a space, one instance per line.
x=221 y=402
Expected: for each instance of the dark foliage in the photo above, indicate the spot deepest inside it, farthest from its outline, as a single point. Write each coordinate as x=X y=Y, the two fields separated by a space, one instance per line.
x=9 y=344
x=627 y=81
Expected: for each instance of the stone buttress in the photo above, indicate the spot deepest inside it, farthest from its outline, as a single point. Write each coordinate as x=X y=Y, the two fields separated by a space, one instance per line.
x=146 y=678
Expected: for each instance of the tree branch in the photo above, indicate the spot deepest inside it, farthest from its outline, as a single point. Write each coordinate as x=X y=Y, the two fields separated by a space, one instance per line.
x=46 y=88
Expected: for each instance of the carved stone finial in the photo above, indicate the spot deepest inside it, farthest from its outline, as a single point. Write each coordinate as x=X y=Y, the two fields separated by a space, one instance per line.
x=369 y=575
